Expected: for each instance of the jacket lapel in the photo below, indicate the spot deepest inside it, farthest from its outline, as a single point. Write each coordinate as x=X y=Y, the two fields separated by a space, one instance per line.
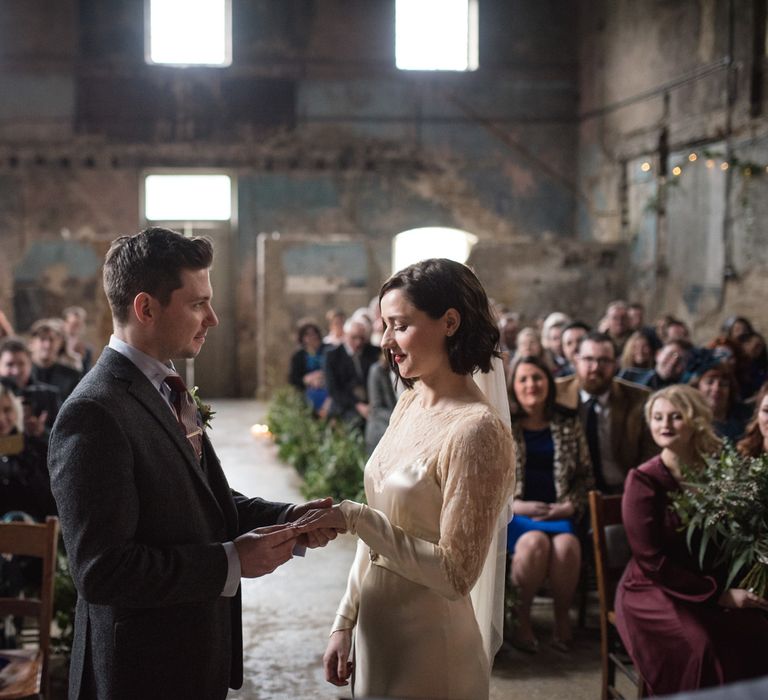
x=142 y=390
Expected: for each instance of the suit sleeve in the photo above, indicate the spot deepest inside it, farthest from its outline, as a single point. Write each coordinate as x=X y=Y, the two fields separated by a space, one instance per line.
x=99 y=502
x=641 y=518
x=256 y=512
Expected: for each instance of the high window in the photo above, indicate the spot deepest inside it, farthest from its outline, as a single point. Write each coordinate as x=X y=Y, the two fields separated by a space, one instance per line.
x=189 y=32
x=188 y=197
x=431 y=242
x=436 y=35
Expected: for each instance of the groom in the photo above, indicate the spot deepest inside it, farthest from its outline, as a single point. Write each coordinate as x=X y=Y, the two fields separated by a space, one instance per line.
x=157 y=541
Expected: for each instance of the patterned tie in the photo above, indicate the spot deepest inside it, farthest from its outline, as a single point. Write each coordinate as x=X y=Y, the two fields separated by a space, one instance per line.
x=186 y=411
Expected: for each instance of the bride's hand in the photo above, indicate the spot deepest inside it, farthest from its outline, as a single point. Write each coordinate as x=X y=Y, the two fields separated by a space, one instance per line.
x=329 y=518
x=336 y=662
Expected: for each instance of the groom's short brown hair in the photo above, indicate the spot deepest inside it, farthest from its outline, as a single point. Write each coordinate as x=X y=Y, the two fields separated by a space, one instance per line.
x=150 y=261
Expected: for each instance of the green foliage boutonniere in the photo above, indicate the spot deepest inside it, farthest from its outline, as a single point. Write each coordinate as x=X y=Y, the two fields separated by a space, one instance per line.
x=205 y=410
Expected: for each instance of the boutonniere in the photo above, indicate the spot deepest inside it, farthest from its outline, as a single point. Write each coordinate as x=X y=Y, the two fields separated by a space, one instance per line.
x=204 y=409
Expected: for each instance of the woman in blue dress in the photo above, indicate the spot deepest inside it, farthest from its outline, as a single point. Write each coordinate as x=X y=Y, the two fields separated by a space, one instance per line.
x=553 y=475
x=307 y=371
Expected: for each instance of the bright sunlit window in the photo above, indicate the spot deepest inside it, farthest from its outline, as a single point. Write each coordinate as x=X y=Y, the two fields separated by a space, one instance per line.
x=431 y=242
x=436 y=35
x=188 y=197
x=189 y=32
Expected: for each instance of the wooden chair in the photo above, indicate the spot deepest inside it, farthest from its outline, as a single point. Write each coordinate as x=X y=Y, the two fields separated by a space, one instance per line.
x=26 y=672
x=611 y=556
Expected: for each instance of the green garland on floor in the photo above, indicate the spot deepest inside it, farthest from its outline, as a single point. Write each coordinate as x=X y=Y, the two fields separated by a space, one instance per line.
x=329 y=456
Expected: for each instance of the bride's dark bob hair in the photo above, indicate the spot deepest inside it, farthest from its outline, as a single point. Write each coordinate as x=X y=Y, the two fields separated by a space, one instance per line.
x=436 y=285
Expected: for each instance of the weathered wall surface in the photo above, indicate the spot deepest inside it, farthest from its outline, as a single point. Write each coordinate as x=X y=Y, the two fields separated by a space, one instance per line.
x=324 y=136
x=661 y=84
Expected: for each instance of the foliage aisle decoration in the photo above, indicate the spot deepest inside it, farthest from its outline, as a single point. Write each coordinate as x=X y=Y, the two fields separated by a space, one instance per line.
x=64 y=600
x=726 y=504
x=329 y=456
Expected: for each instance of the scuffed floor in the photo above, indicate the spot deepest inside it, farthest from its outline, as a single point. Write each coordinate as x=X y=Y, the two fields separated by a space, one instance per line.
x=286 y=615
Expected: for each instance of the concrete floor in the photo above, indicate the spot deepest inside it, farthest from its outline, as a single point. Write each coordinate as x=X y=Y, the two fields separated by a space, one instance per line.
x=286 y=615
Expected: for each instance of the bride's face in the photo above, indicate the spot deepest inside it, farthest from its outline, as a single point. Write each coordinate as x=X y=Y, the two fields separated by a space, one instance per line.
x=416 y=341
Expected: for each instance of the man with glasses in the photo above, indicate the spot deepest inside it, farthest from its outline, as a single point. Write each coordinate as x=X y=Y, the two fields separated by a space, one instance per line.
x=611 y=410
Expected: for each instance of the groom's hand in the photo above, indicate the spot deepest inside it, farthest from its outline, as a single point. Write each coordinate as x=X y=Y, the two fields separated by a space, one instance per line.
x=318 y=537
x=262 y=550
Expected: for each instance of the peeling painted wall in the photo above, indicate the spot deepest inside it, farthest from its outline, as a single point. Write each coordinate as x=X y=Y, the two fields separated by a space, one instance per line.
x=324 y=138
x=658 y=83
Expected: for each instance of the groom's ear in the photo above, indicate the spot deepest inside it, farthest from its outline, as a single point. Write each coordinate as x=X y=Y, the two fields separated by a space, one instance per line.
x=144 y=308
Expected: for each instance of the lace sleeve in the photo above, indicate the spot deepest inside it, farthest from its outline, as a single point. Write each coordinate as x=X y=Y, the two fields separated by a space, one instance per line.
x=477 y=477
x=475 y=469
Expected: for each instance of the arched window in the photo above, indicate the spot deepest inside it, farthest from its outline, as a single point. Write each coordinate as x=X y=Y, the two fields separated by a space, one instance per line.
x=417 y=244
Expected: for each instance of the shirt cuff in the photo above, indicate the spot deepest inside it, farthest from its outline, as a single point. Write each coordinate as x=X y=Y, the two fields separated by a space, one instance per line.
x=233 y=570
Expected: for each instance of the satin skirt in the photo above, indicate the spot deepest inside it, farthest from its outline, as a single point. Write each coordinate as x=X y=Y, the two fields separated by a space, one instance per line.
x=411 y=642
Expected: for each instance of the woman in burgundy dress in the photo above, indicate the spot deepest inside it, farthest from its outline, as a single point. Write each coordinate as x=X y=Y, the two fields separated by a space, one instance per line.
x=682 y=629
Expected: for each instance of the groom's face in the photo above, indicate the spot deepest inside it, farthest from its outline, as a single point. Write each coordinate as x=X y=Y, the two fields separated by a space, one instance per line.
x=183 y=323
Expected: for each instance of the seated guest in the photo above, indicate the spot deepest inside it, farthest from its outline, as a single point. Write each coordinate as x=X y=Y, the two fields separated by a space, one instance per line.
x=553 y=475
x=75 y=345
x=24 y=482
x=307 y=367
x=636 y=322
x=717 y=383
x=670 y=364
x=730 y=353
x=552 y=340
x=46 y=345
x=683 y=630
x=637 y=353
x=756 y=365
x=735 y=326
x=611 y=412
x=346 y=374
x=755 y=440
x=509 y=325
x=571 y=339
x=528 y=344
x=670 y=328
x=41 y=401
x=335 y=319
x=615 y=324
x=383 y=390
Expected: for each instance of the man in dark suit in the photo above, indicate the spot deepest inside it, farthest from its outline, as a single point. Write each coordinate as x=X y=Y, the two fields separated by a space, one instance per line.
x=346 y=373
x=611 y=410
x=157 y=541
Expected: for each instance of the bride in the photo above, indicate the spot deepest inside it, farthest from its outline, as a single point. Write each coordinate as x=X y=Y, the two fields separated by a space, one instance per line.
x=437 y=487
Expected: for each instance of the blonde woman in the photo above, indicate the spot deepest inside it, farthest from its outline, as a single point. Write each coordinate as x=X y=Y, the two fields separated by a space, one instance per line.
x=24 y=481
x=682 y=628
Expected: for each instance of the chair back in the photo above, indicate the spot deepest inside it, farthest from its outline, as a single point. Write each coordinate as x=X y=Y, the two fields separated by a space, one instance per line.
x=32 y=540
x=611 y=547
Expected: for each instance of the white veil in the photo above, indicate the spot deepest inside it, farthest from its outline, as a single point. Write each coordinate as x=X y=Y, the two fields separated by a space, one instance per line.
x=488 y=593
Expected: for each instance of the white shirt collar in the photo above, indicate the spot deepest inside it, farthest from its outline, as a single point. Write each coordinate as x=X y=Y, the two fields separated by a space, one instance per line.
x=602 y=399
x=151 y=368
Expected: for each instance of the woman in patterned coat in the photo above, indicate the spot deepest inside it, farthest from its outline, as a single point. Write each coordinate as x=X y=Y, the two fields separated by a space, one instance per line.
x=553 y=476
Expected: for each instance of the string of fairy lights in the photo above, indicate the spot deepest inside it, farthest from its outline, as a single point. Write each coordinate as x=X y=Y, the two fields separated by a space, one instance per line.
x=712 y=161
